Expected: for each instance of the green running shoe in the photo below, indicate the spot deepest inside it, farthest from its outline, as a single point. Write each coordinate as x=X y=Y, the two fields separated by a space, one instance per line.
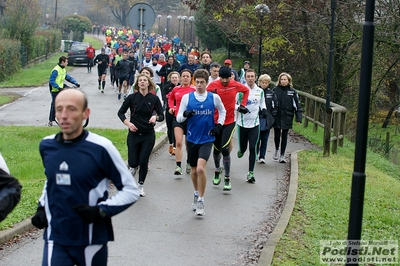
x=250 y=177
x=217 y=178
x=227 y=184
x=239 y=154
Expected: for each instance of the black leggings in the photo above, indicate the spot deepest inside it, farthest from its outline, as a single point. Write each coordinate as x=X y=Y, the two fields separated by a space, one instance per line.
x=223 y=139
x=112 y=75
x=278 y=133
x=139 y=150
x=169 y=119
x=249 y=135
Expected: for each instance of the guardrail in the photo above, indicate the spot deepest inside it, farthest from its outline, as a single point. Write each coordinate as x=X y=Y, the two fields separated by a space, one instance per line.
x=333 y=120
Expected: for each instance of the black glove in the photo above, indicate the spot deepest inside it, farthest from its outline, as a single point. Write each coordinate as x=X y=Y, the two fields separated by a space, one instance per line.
x=39 y=220
x=243 y=110
x=264 y=113
x=78 y=85
x=216 y=130
x=89 y=214
x=188 y=113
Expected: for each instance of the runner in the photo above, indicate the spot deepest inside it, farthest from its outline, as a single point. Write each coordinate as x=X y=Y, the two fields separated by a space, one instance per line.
x=227 y=89
x=145 y=109
x=197 y=109
x=271 y=104
x=123 y=67
x=90 y=53
x=173 y=80
x=289 y=106
x=102 y=64
x=174 y=102
x=248 y=123
x=112 y=69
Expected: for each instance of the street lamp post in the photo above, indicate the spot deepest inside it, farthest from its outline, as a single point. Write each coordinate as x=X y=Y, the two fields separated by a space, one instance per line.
x=159 y=23
x=184 y=18
x=179 y=25
x=261 y=11
x=191 y=20
x=168 y=24
x=55 y=11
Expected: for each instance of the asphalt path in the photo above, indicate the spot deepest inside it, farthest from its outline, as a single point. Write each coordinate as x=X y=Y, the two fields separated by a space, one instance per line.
x=161 y=228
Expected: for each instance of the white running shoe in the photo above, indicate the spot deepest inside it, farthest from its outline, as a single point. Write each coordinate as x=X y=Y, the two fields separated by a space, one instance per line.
x=194 y=203
x=282 y=159
x=141 y=191
x=188 y=169
x=200 y=208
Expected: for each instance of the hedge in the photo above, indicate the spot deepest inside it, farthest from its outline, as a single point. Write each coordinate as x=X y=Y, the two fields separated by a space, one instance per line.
x=13 y=56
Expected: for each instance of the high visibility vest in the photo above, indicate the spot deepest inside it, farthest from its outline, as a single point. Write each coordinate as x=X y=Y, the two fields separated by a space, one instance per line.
x=62 y=73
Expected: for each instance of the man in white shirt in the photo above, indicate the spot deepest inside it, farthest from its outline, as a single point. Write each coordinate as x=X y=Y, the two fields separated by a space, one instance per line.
x=155 y=66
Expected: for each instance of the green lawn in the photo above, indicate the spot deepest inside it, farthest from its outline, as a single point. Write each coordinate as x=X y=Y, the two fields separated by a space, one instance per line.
x=322 y=207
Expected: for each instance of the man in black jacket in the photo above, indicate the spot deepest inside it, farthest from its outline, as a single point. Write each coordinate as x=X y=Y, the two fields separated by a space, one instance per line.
x=168 y=68
x=123 y=67
x=102 y=64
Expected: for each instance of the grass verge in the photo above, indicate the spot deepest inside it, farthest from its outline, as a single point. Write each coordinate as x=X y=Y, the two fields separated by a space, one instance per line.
x=323 y=201
x=20 y=148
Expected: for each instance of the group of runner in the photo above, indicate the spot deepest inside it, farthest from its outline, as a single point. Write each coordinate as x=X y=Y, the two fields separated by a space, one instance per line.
x=251 y=108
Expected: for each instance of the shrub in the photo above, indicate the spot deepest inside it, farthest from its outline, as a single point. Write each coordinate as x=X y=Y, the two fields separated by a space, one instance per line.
x=9 y=57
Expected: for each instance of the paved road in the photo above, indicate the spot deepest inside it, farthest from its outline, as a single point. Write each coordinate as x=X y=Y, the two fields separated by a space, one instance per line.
x=161 y=229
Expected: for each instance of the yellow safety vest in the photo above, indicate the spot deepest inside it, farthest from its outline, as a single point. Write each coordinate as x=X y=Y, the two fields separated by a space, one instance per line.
x=62 y=73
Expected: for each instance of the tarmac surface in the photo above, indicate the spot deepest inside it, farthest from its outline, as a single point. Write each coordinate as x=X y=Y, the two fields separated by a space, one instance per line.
x=161 y=228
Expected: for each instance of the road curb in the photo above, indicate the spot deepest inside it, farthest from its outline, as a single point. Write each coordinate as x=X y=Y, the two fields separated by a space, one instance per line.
x=26 y=224
x=269 y=248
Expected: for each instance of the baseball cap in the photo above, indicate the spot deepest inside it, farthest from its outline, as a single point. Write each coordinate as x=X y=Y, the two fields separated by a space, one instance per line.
x=103 y=49
x=225 y=72
x=228 y=61
x=246 y=62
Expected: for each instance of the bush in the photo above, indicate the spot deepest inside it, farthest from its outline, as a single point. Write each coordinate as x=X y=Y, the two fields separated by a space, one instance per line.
x=9 y=57
x=43 y=42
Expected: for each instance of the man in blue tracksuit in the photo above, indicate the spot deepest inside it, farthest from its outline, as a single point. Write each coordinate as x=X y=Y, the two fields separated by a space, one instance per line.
x=74 y=207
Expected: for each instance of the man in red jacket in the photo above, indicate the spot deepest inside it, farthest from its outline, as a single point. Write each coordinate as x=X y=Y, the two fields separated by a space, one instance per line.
x=227 y=90
x=90 y=53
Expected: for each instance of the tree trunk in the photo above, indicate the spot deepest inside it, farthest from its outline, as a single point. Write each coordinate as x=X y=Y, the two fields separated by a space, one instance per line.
x=389 y=115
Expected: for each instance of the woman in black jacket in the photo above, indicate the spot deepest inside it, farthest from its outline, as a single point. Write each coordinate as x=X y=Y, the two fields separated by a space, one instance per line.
x=288 y=106
x=145 y=109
